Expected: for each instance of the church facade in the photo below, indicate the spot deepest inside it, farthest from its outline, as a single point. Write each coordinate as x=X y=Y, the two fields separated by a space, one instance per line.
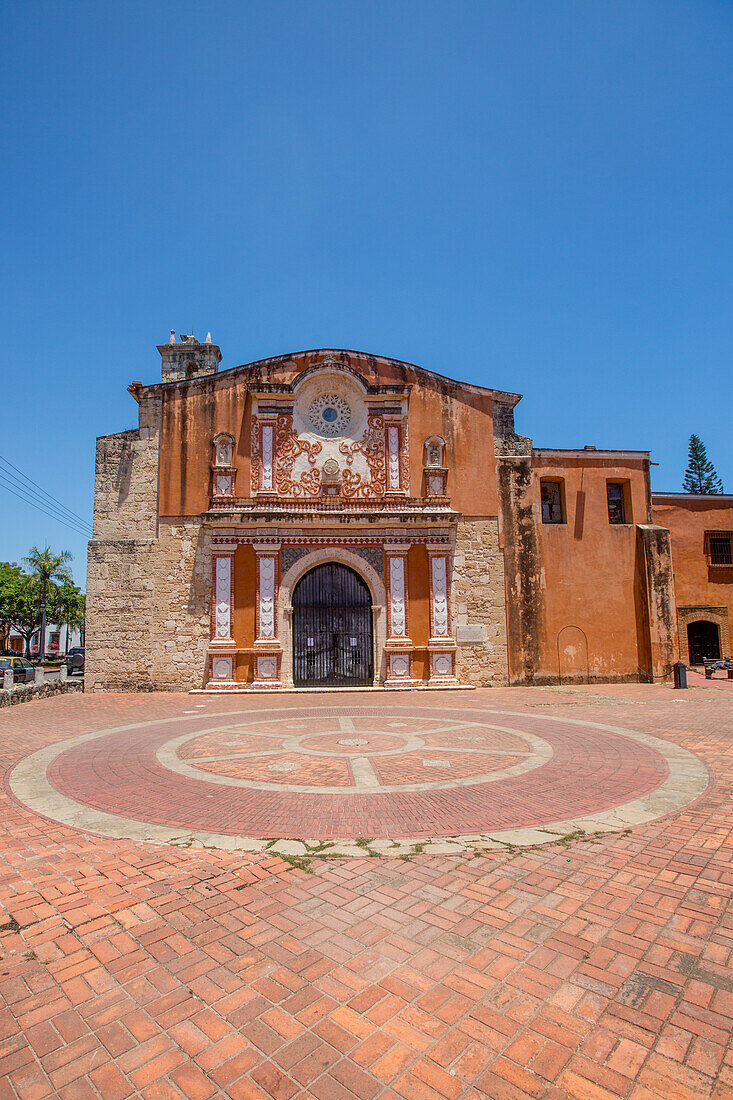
x=337 y=519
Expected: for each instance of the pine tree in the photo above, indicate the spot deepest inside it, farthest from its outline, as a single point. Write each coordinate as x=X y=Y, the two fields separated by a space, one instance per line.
x=700 y=475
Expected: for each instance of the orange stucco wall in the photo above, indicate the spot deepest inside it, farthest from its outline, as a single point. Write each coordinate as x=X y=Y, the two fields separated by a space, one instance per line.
x=418 y=610
x=194 y=412
x=592 y=579
x=704 y=591
x=243 y=609
x=688 y=519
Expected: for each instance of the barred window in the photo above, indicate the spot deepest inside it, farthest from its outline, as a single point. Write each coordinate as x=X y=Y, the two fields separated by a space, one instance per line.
x=719 y=550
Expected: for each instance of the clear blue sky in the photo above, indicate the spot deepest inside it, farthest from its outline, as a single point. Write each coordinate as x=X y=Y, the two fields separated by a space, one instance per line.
x=533 y=195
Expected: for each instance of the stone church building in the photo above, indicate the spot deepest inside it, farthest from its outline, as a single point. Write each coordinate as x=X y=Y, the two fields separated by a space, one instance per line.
x=332 y=518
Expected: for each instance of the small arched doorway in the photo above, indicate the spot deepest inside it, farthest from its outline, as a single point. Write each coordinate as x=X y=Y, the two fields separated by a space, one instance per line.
x=332 y=629
x=703 y=640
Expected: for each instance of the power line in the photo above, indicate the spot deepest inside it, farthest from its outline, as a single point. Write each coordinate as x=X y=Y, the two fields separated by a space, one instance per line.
x=38 y=506
x=33 y=498
x=51 y=498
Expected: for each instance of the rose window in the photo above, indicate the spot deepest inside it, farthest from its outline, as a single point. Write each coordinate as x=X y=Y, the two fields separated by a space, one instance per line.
x=329 y=414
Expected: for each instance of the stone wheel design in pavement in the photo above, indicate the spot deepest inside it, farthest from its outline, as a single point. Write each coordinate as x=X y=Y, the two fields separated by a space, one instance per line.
x=326 y=773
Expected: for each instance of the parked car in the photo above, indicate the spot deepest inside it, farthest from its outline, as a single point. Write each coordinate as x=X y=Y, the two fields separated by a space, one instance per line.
x=75 y=660
x=23 y=671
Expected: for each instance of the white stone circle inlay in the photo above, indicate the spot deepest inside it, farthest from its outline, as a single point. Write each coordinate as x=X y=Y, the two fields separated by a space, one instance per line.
x=351 y=741
x=29 y=782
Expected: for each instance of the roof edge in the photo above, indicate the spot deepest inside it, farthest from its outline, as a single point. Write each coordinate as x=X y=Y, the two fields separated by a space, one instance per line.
x=711 y=497
x=505 y=396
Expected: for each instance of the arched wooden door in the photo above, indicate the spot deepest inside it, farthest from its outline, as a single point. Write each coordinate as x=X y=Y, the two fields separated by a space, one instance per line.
x=332 y=629
x=703 y=640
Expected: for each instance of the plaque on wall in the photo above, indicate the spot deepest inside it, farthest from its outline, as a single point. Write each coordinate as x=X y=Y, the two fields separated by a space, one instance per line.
x=469 y=634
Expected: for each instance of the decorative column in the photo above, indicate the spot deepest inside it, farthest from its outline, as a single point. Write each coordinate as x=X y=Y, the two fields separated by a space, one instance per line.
x=442 y=645
x=222 y=647
x=268 y=650
x=398 y=647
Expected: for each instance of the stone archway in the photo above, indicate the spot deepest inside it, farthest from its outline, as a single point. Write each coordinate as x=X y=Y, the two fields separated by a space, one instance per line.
x=368 y=574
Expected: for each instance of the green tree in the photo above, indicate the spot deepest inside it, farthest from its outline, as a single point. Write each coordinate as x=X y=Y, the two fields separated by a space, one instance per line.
x=24 y=608
x=10 y=575
x=66 y=604
x=45 y=568
x=700 y=475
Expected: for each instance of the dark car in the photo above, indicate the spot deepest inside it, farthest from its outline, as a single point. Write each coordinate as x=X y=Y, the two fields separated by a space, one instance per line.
x=75 y=660
x=23 y=671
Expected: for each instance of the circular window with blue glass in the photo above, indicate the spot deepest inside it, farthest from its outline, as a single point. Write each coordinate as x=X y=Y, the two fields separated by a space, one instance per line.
x=329 y=414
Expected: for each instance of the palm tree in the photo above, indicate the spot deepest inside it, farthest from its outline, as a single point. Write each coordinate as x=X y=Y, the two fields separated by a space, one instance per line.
x=46 y=567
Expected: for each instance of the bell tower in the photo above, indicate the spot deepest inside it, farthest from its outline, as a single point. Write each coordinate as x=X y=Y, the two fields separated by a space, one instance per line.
x=189 y=358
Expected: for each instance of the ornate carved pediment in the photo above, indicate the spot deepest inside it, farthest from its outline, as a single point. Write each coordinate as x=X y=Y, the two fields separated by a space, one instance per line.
x=331 y=439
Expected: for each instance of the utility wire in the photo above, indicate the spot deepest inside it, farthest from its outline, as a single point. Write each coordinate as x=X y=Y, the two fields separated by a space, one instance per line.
x=34 y=499
x=62 y=507
x=77 y=530
x=38 y=506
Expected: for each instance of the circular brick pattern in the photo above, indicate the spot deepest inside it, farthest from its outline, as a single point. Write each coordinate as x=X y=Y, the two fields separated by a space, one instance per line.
x=421 y=772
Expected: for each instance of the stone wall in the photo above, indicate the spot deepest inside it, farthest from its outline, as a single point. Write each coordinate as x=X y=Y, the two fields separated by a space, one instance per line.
x=479 y=604
x=148 y=618
x=181 y=624
x=121 y=577
x=24 y=693
x=120 y=611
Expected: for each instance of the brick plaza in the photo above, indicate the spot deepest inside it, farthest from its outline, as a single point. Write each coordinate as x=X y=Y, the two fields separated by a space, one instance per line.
x=536 y=899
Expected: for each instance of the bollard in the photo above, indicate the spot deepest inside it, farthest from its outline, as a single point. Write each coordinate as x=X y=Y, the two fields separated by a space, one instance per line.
x=8 y=678
x=63 y=672
x=680 y=675
x=39 y=675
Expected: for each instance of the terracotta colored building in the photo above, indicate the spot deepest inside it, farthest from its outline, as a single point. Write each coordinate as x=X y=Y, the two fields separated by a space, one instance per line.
x=332 y=518
x=702 y=538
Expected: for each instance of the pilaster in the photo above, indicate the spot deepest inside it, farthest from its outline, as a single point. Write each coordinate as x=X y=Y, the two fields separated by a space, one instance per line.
x=398 y=647
x=267 y=646
x=222 y=647
x=442 y=644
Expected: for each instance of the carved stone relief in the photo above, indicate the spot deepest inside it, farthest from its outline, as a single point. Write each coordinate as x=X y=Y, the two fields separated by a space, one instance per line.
x=223 y=485
x=330 y=414
x=267 y=596
x=267 y=456
x=221 y=668
x=289 y=447
x=440 y=596
x=371 y=448
x=223 y=596
x=393 y=448
x=398 y=624
x=223 y=453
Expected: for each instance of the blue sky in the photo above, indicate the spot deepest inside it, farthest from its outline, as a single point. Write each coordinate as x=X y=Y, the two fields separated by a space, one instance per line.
x=533 y=195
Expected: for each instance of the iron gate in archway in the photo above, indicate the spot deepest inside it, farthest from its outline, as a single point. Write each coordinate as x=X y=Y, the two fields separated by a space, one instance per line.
x=332 y=629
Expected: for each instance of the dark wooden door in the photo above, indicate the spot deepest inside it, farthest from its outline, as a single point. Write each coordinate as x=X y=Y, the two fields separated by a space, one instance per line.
x=703 y=639
x=332 y=629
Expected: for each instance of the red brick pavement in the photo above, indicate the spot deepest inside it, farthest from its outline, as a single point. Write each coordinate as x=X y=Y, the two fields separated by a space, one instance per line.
x=589 y=771
x=589 y=970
